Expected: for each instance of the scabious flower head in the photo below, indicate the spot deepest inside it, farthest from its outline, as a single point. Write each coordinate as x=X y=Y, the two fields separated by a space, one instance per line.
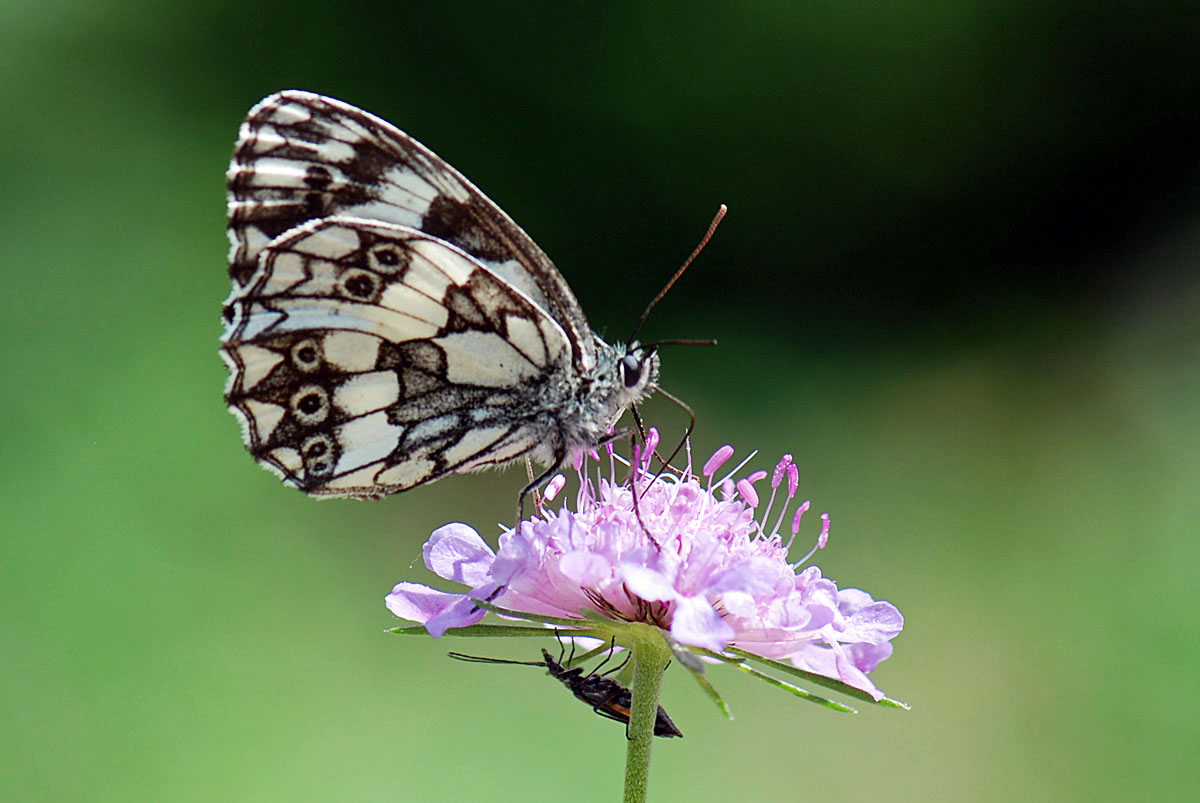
x=698 y=557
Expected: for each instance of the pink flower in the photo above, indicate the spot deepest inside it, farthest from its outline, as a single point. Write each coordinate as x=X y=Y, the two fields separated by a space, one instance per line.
x=699 y=563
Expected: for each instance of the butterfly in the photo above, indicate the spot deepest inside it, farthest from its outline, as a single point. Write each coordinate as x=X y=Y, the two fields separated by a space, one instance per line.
x=389 y=325
x=607 y=697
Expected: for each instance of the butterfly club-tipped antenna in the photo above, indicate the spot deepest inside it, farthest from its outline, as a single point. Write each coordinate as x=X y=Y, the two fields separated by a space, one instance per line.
x=650 y=348
x=712 y=227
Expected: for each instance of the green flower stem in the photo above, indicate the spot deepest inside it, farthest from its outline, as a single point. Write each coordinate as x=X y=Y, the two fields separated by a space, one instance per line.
x=651 y=654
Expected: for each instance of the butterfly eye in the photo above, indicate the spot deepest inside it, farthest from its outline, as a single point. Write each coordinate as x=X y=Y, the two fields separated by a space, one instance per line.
x=631 y=370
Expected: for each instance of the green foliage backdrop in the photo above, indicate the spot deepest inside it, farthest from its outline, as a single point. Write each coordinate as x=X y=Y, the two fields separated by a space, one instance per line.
x=958 y=281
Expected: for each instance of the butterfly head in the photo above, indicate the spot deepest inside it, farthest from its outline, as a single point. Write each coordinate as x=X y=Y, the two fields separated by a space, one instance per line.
x=637 y=372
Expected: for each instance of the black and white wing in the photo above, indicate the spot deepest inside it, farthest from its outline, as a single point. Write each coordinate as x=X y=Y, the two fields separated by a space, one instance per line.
x=302 y=156
x=366 y=358
x=390 y=325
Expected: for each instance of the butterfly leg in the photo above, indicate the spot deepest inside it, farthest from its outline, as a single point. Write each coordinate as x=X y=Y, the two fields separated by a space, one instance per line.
x=617 y=435
x=537 y=483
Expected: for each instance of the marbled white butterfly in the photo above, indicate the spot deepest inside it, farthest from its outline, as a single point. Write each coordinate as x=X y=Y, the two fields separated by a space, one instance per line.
x=389 y=325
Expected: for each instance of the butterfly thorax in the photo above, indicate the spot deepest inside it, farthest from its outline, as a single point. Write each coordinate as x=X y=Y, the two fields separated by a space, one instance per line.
x=624 y=376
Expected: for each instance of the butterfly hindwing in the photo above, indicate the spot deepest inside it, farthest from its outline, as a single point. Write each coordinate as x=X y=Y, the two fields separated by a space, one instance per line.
x=366 y=358
x=302 y=157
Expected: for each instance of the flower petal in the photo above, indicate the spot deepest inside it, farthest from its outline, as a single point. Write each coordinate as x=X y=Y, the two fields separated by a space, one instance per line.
x=456 y=552
x=876 y=623
x=791 y=614
x=460 y=614
x=759 y=577
x=695 y=622
x=587 y=569
x=647 y=583
x=865 y=619
x=867 y=656
x=417 y=602
x=849 y=673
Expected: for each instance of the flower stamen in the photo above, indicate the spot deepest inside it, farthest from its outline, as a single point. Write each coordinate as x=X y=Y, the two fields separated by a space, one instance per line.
x=716 y=461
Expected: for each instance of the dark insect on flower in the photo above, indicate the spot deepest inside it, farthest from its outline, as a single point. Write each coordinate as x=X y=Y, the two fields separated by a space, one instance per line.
x=607 y=697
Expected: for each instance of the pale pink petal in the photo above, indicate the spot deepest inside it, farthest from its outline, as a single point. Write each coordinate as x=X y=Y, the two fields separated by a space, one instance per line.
x=849 y=673
x=647 y=583
x=874 y=624
x=461 y=614
x=739 y=605
x=419 y=603
x=790 y=614
x=586 y=569
x=456 y=552
x=695 y=622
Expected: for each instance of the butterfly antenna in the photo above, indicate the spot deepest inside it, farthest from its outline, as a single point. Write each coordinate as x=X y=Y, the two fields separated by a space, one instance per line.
x=712 y=227
x=694 y=342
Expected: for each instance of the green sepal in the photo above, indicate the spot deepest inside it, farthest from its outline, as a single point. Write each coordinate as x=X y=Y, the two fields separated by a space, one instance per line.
x=710 y=691
x=480 y=630
x=820 y=680
x=796 y=690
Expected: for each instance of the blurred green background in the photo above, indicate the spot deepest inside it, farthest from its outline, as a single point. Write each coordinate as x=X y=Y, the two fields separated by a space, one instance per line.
x=958 y=281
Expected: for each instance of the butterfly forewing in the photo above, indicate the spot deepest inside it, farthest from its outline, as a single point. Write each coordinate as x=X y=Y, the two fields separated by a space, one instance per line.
x=388 y=324
x=301 y=157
